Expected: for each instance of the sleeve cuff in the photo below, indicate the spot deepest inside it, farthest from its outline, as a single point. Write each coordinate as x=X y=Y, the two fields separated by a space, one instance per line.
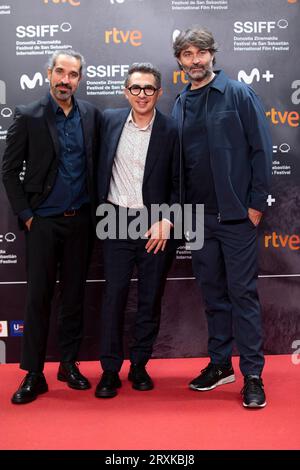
x=25 y=215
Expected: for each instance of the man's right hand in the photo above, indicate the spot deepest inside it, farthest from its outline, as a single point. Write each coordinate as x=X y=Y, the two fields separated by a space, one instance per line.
x=28 y=223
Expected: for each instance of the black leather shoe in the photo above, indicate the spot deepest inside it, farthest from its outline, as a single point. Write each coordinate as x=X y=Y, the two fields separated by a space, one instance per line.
x=107 y=387
x=139 y=377
x=33 y=384
x=69 y=372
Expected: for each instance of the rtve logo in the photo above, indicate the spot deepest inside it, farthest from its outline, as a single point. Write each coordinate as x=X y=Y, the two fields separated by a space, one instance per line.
x=41 y=30
x=73 y=3
x=254 y=74
x=291 y=118
x=292 y=242
x=118 y=36
x=259 y=26
x=179 y=76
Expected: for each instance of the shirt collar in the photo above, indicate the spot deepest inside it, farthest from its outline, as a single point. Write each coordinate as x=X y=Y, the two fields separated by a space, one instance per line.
x=130 y=120
x=57 y=108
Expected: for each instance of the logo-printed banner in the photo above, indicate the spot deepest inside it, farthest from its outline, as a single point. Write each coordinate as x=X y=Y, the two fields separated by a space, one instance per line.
x=259 y=45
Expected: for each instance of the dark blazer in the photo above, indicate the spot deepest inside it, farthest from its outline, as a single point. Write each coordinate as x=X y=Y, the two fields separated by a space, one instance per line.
x=162 y=167
x=33 y=137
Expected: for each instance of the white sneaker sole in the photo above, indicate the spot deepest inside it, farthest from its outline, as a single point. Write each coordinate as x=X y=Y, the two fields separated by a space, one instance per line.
x=226 y=380
x=253 y=404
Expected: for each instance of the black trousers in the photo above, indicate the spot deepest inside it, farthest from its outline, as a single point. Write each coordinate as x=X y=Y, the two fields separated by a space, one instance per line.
x=120 y=257
x=226 y=269
x=55 y=245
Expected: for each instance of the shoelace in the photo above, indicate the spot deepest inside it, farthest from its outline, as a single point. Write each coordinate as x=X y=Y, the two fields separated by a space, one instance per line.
x=252 y=385
x=210 y=367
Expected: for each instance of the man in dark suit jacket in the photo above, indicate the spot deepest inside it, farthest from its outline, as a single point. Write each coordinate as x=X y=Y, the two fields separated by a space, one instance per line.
x=139 y=167
x=57 y=137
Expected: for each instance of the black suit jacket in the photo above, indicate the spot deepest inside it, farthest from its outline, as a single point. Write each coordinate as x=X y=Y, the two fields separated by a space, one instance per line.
x=33 y=137
x=162 y=168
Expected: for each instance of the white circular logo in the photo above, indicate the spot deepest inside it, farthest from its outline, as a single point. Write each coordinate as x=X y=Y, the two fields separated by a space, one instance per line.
x=65 y=27
x=6 y=112
x=284 y=148
x=10 y=237
x=282 y=23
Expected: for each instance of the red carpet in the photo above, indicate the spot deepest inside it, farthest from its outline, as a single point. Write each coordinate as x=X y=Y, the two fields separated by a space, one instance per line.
x=169 y=417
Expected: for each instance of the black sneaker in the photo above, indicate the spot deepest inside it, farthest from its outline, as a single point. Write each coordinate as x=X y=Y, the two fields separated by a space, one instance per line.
x=253 y=392
x=212 y=376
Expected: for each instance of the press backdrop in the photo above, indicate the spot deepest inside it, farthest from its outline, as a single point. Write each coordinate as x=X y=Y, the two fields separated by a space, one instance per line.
x=259 y=44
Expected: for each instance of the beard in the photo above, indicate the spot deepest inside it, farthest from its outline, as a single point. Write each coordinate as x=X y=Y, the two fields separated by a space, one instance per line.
x=198 y=74
x=62 y=95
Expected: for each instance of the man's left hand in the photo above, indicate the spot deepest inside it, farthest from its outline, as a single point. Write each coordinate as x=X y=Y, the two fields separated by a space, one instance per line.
x=254 y=216
x=159 y=234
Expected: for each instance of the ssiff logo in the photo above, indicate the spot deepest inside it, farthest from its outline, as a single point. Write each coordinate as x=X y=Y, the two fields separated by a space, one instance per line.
x=41 y=30
x=3 y=328
x=16 y=327
x=259 y=26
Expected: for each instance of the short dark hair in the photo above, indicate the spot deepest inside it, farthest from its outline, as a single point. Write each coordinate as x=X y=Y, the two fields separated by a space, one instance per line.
x=69 y=52
x=144 y=67
x=198 y=37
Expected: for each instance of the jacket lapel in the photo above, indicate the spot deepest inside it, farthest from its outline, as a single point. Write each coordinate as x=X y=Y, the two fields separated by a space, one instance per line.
x=156 y=139
x=115 y=134
x=86 y=129
x=50 y=119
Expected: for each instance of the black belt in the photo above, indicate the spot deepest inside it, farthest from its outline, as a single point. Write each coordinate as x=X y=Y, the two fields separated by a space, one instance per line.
x=72 y=212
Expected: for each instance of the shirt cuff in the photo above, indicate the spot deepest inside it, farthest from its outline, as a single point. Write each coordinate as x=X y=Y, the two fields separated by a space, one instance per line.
x=25 y=215
x=167 y=220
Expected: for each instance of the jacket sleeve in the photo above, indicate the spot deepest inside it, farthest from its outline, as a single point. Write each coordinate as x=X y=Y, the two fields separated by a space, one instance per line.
x=259 y=139
x=14 y=155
